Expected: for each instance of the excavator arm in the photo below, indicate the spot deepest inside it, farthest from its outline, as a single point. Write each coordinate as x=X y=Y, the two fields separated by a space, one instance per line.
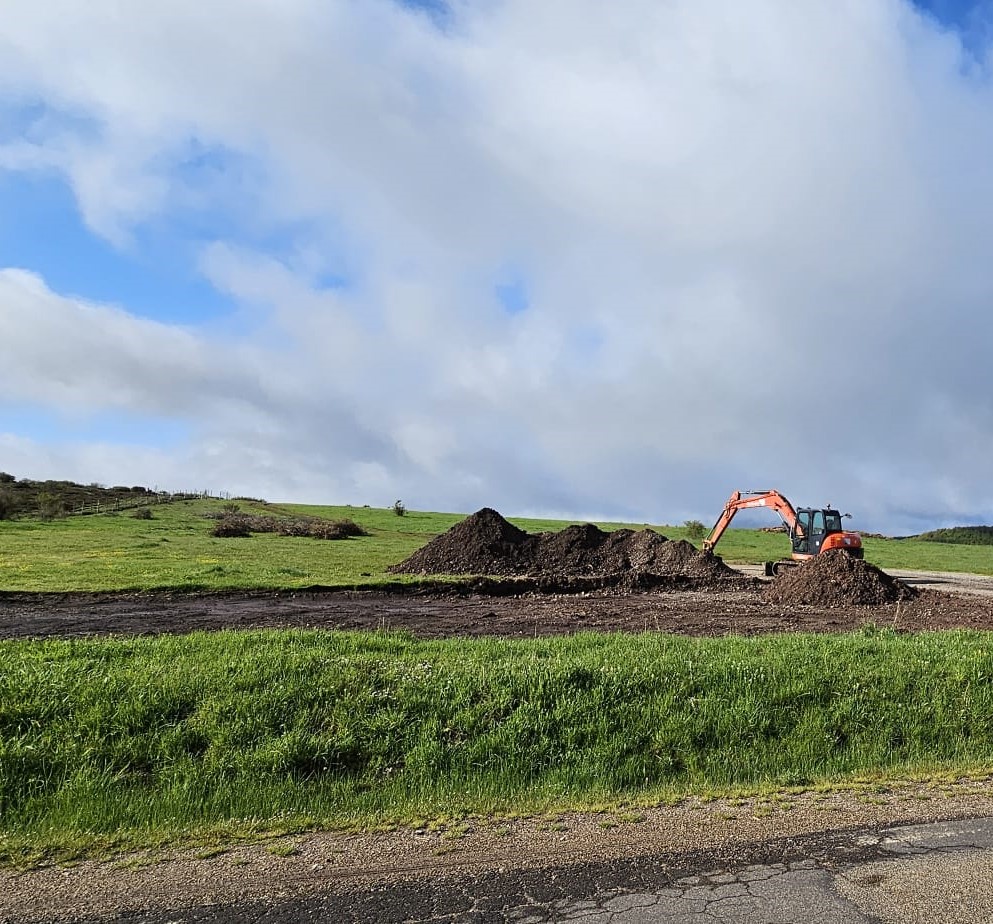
x=742 y=500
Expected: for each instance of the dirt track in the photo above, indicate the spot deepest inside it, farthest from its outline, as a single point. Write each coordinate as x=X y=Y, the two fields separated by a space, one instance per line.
x=689 y=612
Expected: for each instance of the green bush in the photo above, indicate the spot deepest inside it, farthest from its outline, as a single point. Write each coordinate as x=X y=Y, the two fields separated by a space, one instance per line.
x=50 y=506
x=695 y=530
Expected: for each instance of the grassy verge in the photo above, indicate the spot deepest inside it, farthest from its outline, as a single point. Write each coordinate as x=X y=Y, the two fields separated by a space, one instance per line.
x=175 y=550
x=134 y=741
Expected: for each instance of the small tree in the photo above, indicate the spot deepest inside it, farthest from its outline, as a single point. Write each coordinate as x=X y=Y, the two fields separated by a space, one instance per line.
x=7 y=478
x=7 y=504
x=50 y=506
x=695 y=529
x=398 y=508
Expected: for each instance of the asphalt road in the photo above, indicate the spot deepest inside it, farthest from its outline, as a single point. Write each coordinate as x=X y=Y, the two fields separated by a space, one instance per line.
x=936 y=873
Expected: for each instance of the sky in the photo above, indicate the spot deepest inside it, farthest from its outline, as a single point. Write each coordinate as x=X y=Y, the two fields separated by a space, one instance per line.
x=564 y=258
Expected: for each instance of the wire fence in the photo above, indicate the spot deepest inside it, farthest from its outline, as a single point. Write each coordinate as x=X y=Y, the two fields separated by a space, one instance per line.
x=113 y=505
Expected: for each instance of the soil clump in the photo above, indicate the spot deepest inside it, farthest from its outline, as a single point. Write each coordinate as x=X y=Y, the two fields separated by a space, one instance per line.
x=835 y=578
x=486 y=544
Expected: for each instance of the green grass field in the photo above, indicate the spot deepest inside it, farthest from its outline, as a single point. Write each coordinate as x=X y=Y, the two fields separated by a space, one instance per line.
x=175 y=550
x=139 y=741
x=106 y=744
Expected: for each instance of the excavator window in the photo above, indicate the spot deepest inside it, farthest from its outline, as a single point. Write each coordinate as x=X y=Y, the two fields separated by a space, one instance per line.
x=818 y=526
x=832 y=521
x=801 y=543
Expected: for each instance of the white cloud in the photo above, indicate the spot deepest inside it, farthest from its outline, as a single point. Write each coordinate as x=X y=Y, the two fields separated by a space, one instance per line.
x=754 y=239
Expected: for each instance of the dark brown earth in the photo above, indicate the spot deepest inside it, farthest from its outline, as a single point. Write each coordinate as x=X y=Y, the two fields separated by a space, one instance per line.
x=834 y=578
x=486 y=543
x=464 y=613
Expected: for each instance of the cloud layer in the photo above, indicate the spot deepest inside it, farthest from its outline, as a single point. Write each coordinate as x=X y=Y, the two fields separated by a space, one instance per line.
x=754 y=242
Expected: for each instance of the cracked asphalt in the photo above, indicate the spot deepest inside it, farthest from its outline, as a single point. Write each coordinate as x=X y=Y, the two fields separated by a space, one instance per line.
x=939 y=872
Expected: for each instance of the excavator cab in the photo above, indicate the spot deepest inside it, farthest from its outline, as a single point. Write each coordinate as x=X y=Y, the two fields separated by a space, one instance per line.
x=812 y=528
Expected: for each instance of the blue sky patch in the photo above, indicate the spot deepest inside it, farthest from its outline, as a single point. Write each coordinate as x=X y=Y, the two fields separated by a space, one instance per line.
x=115 y=427
x=971 y=19
x=961 y=14
x=41 y=231
x=35 y=121
x=513 y=295
x=439 y=10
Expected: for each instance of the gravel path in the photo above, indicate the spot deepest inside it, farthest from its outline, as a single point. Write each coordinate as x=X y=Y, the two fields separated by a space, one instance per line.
x=411 y=874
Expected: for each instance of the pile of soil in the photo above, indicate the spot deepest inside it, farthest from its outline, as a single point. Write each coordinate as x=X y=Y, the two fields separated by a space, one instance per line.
x=835 y=578
x=485 y=543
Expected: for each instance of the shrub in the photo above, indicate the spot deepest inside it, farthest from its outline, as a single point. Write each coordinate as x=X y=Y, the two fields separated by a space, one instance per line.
x=143 y=513
x=231 y=508
x=398 y=508
x=243 y=524
x=7 y=478
x=335 y=529
x=231 y=528
x=7 y=505
x=50 y=506
x=695 y=529
x=286 y=527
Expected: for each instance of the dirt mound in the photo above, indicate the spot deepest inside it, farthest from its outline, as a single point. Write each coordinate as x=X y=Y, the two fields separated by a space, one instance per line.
x=485 y=543
x=836 y=579
x=707 y=566
x=573 y=550
x=587 y=549
x=638 y=550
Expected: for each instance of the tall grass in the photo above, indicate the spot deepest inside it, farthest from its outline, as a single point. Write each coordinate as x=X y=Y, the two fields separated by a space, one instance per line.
x=152 y=737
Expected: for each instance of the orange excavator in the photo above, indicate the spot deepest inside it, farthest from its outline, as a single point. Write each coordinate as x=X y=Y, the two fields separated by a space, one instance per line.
x=811 y=530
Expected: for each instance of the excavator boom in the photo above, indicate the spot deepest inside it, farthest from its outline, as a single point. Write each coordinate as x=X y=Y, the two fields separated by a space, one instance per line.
x=742 y=500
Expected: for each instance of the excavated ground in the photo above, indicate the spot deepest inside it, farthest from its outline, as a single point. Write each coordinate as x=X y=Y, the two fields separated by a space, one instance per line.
x=834 y=578
x=579 y=579
x=466 y=614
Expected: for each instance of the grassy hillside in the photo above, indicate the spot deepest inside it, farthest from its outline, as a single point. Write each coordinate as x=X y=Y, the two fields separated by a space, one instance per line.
x=175 y=550
x=132 y=740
